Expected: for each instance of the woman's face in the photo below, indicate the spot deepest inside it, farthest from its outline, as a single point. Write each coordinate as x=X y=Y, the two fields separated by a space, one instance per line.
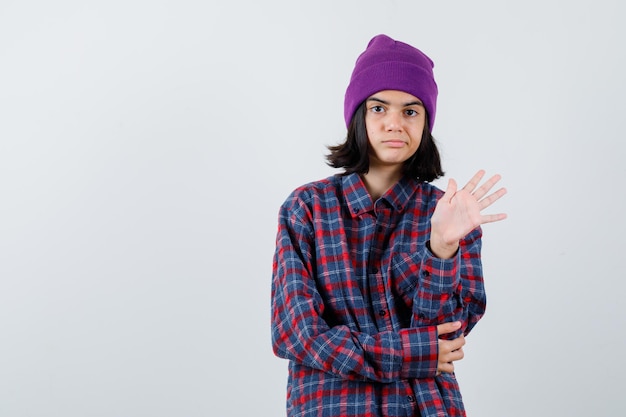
x=394 y=121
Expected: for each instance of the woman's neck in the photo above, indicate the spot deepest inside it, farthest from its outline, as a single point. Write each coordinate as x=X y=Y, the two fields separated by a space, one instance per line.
x=380 y=179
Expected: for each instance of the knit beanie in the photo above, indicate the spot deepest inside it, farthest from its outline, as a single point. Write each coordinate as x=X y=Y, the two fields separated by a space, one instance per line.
x=387 y=64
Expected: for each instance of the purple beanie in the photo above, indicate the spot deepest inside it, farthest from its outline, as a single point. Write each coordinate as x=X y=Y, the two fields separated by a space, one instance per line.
x=388 y=64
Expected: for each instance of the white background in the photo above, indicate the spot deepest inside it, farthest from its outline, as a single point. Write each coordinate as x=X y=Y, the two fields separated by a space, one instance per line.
x=145 y=147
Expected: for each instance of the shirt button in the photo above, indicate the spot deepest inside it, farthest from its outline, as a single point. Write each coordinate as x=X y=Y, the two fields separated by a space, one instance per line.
x=374 y=270
x=382 y=313
x=410 y=398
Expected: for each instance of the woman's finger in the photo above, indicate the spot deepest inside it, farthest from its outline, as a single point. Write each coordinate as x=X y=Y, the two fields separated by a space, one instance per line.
x=473 y=182
x=450 y=190
x=488 y=185
x=491 y=198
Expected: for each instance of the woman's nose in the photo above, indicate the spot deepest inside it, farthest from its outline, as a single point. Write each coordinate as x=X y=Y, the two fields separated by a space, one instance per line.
x=393 y=121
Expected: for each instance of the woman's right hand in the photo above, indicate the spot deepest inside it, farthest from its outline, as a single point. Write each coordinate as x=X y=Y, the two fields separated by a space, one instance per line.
x=450 y=351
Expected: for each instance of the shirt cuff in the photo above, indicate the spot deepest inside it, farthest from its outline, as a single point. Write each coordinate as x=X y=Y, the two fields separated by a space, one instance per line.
x=440 y=275
x=421 y=351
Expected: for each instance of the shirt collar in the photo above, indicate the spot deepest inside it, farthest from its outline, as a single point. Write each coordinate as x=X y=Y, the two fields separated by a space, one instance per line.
x=356 y=195
x=359 y=200
x=401 y=192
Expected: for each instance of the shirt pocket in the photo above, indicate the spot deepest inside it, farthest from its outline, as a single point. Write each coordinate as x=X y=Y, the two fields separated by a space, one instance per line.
x=404 y=275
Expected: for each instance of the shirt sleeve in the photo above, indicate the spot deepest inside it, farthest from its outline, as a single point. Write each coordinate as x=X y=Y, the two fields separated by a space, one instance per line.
x=300 y=334
x=447 y=289
x=472 y=296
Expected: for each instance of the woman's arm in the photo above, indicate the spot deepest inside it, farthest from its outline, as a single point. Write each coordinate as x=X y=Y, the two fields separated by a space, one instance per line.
x=300 y=334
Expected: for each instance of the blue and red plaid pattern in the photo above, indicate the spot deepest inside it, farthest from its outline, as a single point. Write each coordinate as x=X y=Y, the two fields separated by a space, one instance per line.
x=356 y=296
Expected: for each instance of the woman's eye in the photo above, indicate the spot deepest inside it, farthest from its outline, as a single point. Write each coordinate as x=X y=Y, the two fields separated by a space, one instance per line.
x=377 y=109
x=411 y=112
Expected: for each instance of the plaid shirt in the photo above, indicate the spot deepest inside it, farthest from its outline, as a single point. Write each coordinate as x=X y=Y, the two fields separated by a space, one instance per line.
x=356 y=296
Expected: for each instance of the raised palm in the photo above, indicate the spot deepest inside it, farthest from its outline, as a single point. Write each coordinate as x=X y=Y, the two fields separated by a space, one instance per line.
x=458 y=212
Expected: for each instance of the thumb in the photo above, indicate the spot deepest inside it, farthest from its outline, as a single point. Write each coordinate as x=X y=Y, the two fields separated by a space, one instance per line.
x=450 y=190
x=448 y=327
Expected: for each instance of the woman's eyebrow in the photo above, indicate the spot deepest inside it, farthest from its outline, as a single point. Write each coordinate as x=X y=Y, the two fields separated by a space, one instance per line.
x=410 y=103
x=378 y=100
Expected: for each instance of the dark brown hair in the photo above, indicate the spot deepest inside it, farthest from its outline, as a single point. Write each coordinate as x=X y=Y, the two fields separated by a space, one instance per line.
x=353 y=154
